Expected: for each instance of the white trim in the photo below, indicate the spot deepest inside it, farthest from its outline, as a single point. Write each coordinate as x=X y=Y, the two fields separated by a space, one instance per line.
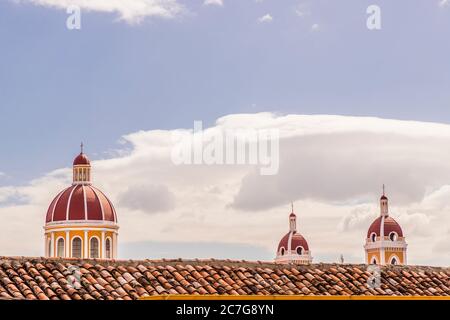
x=99 y=201
x=52 y=240
x=114 y=246
x=303 y=249
x=396 y=235
x=72 y=222
x=394 y=256
x=102 y=255
x=57 y=200
x=289 y=248
x=69 y=245
x=85 y=203
x=68 y=202
x=371 y=236
x=85 y=244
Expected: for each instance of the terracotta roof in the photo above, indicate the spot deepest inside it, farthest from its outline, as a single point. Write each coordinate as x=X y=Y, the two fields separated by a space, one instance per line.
x=40 y=278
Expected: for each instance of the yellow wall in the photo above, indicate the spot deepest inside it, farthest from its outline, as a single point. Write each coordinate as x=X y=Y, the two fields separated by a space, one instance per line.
x=397 y=253
x=81 y=234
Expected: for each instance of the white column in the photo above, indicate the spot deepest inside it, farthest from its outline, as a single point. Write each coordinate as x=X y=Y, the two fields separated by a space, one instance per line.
x=103 y=252
x=114 y=246
x=52 y=245
x=86 y=242
x=67 y=245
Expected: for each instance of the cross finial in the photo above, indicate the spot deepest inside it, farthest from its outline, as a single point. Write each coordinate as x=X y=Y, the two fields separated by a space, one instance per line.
x=292 y=207
x=81 y=147
x=384 y=190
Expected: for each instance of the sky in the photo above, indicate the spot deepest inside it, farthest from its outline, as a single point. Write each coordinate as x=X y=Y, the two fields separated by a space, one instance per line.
x=368 y=106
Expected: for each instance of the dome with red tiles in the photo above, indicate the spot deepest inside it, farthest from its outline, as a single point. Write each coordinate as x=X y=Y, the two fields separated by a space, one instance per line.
x=390 y=225
x=81 y=221
x=293 y=247
x=81 y=159
x=81 y=203
x=295 y=240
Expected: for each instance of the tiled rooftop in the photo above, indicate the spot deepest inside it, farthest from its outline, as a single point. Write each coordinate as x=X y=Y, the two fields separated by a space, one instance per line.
x=41 y=278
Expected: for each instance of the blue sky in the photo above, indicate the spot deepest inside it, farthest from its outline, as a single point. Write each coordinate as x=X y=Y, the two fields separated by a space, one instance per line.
x=58 y=87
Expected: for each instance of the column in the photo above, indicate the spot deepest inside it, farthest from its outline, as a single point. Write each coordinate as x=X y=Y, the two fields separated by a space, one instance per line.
x=103 y=247
x=52 y=245
x=86 y=248
x=67 y=245
x=114 y=245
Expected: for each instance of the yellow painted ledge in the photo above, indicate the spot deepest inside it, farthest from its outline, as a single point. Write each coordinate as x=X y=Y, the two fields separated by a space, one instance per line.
x=289 y=297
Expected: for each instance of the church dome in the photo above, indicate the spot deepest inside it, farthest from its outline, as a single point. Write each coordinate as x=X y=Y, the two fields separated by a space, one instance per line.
x=81 y=159
x=81 y=202
x=293 y=240
x=81 y=221
x=293 y=247
x=390 y=225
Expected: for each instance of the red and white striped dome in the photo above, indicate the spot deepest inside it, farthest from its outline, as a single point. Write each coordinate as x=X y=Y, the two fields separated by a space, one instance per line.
x=296 y=240
x=81 y=202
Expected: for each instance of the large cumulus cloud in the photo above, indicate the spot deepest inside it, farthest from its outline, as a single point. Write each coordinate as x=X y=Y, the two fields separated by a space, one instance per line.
x=332 y=167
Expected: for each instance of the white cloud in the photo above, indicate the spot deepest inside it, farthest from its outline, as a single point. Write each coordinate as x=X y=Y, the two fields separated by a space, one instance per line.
x=265 y=18
x=148 y=198
x=302 y=10
x=213 y=3
x=331 y=166
x=444 y=3
x=132 y=11
x=315 y=27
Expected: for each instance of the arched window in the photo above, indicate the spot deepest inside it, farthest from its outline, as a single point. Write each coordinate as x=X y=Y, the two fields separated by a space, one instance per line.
x=76 y=248
x=394 y=261
x=282 y=251
x=393 y=236
x=373 y=237
x=299 y=250
x=94 y=248
x=108 y=248
x=60 y=248
x=374 y=260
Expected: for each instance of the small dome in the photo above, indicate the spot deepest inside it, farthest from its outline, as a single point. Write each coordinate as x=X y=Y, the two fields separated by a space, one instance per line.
x=81 y=203
x=81 y=159
x=390 y=225
x=297 y=240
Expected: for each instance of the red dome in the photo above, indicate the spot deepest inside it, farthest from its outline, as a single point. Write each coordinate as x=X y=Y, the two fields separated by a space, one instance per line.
x=296 y=241
x=389 y=225
x=81 y=159
x=81 y=202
